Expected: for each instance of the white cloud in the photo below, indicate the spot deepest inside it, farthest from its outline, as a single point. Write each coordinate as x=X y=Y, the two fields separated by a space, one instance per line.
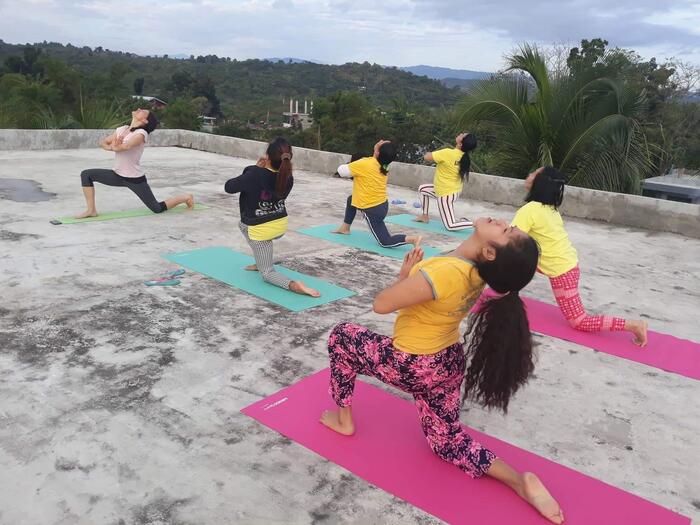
x=450 y=33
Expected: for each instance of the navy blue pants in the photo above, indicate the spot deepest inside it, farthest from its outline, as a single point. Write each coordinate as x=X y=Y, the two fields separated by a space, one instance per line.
x=375 y=220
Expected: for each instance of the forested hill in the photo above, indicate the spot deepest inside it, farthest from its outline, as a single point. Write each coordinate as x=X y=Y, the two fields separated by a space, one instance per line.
x=247 y=88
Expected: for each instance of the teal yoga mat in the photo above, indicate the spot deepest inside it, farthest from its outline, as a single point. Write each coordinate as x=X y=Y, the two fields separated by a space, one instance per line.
x=434 y=226
x=363 y=241
x=226 y=265
x=141 y=212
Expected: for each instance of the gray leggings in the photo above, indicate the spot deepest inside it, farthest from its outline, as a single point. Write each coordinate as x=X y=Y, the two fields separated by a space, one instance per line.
x=138 y=185
x=262 y=252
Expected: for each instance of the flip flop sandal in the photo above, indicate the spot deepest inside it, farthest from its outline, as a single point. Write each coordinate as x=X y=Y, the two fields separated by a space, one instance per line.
x=174 y=273
x=162 y=282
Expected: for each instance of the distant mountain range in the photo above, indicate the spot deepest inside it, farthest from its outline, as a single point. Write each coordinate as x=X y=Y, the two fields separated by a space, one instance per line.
x=443 y=73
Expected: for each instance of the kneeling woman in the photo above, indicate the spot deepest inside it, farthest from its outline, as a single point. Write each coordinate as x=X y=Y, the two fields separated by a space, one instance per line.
x=264 y=188
x=370 y=178
x=128 y=144
x=426 y=358
x=453 y=165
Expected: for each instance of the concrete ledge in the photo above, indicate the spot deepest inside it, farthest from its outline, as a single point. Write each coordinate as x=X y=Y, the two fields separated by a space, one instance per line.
x=616 y=208
x=46 y=139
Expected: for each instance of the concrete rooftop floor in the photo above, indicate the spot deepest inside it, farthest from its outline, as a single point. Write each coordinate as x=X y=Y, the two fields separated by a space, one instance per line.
x=120 y=403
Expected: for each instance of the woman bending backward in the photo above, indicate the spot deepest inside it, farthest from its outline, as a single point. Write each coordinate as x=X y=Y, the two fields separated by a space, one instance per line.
x=540 y=218
x=452 y=170
x=426 y=358
x=264 y=188
x=370 y=178
x=128 y=142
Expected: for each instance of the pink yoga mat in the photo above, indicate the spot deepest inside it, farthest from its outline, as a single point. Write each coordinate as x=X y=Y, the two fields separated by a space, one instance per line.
x=390 y=451
x=666 y=352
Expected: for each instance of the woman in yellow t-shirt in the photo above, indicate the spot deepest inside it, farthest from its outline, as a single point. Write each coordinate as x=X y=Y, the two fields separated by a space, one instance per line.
x=541 y=219
x=369 y=180
x=426 y=358
x=451 y=172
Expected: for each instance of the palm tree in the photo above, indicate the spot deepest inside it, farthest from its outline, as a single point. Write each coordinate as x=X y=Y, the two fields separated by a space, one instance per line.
x=584 y=124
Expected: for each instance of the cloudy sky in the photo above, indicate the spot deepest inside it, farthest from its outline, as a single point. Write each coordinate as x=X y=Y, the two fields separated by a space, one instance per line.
x=452 y=33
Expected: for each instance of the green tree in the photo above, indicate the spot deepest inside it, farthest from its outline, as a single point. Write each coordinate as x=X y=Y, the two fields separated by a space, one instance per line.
x=585 y=124
x=181 y=114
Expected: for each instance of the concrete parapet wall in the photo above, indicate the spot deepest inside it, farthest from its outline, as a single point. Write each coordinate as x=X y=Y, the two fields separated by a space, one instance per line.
x=43 y=139
x=627 y=210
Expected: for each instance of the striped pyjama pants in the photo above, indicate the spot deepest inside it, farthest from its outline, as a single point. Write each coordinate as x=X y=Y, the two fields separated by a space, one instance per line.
x=262 y=252
x=446 y=206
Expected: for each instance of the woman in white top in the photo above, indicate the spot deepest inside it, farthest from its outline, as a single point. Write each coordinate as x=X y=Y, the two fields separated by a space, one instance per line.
x=128 y=143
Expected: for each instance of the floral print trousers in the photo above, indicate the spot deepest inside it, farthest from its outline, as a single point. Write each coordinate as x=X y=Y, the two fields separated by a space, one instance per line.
x=434 y=380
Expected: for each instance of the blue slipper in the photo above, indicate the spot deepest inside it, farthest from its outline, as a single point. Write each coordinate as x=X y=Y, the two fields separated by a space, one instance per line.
x=162 y=282
x=174 y=273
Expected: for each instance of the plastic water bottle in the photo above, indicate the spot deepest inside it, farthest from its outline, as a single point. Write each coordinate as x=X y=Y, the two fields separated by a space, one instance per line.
x=417 y=205
x=398 y=201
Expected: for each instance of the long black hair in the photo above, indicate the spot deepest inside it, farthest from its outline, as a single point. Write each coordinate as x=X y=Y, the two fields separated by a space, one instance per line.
x=465 y=163
x=279 y=151
x=501 y=343
x=548 y=187
x=150 y=125
x=387 y=155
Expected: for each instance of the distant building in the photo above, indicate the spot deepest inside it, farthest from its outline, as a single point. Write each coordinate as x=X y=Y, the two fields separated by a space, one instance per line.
x=155 y=103
x=296 y=119
x=208 y=123
x=679 y=185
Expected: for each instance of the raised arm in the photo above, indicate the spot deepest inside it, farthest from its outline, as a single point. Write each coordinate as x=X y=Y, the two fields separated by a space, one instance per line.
x=407 y=290
x=236 y=184
x=344 y=171
x=106 y=143
x=134 y=141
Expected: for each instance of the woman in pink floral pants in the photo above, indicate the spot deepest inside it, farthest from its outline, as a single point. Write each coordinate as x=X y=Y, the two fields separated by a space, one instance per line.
x=425 y=356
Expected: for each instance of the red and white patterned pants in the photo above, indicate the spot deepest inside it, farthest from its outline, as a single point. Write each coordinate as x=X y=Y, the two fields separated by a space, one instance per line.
x=565 y=288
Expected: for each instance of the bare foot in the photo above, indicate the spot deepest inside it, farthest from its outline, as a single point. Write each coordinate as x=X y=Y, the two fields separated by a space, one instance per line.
x=422 y=218
x=331 y=418
x=190 y=201
x=639 y=329
x=344 y=230
x=251 y=268
x=87 y=214
x=300 y=288
x=535 y=493
x=414 y=240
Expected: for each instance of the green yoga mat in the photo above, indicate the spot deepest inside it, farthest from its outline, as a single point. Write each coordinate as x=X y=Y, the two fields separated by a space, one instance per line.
x=434 y=226
x=363 y=241
x=226 y=265
x=141 y=212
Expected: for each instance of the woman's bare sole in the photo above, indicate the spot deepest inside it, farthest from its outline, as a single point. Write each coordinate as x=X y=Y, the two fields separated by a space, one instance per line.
x=422 y=218
x=331 y=418
x=300 y=288
x=415 y=240
x=86 y=214
x=639 y=330
x=251 y=268
x=535 y=493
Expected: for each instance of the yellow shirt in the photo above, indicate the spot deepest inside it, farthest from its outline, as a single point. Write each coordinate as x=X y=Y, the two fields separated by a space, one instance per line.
x=447 y=180
x=368 y=183
x=544 y=224
x=429 y=327
x=268 y=230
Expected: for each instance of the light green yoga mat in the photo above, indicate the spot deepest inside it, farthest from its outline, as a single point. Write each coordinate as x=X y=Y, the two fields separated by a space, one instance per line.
x=434 y=226
x=141 y=212
x=363 y=241
x=226 y=265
